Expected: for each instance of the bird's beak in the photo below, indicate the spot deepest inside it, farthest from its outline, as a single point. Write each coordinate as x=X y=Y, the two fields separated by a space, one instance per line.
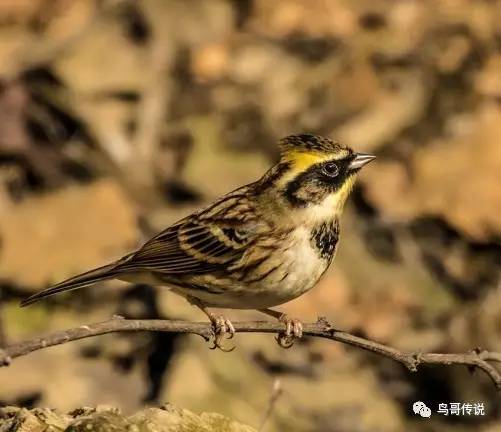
x=360 y=160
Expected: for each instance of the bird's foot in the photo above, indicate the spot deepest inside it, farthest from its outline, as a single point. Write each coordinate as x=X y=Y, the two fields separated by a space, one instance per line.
x=222 y=328
x=293 y=331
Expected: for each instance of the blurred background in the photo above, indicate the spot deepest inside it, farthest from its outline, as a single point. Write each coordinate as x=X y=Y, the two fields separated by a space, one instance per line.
x=118 y=117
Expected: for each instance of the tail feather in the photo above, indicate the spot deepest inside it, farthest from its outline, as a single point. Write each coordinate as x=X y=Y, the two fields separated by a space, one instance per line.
x=80 y=281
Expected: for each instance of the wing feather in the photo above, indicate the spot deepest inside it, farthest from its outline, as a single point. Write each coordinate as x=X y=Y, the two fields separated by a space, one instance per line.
x=197 y=244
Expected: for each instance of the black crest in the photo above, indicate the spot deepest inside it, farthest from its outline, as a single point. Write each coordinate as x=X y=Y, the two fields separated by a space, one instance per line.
x=309 y=142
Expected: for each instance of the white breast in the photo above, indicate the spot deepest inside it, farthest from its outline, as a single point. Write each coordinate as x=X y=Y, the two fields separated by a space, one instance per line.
x=306 y=266
x=300 y=270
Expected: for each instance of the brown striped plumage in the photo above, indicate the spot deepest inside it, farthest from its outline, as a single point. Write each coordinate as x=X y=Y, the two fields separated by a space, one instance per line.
x=258 y=246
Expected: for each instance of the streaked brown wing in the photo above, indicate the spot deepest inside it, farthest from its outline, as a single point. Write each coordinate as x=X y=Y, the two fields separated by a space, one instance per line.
x=192 y=246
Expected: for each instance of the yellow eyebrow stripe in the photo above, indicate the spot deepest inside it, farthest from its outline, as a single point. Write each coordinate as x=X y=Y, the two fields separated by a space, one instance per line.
x=302 y=161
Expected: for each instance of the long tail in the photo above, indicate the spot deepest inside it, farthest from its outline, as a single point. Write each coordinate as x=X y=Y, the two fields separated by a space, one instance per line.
x=80 y=281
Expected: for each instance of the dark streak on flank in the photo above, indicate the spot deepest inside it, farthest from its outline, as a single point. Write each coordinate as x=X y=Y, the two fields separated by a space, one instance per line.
x=205 y=288
x=252 y=266
x=264 y=275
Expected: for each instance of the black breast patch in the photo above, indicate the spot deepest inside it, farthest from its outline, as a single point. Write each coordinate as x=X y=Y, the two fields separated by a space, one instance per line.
x=324 y=238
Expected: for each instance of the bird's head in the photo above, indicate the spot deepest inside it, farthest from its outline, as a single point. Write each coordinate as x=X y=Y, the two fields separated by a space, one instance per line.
x=315 y=172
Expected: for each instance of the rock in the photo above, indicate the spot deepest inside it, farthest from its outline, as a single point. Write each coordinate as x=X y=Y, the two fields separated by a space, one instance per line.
x=107 y=419
x=36 y=420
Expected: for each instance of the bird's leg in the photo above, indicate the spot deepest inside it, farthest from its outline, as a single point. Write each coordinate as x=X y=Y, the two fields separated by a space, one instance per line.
x=293 y=327
x=221 y=326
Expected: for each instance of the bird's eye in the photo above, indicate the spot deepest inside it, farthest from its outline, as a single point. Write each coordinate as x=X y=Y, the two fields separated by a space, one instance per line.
x=330 y=169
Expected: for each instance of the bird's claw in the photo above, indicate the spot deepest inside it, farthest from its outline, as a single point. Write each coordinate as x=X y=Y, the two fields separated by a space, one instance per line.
x=293 y=331
x=222 y=328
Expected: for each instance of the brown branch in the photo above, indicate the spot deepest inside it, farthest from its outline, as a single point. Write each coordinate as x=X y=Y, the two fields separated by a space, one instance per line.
x=474 y=359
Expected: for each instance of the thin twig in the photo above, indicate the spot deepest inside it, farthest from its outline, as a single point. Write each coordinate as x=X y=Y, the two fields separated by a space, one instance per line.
x=276 y=391
x=475 y=359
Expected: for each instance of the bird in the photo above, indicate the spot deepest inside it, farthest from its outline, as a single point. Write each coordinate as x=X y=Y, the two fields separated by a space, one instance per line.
x=257 y=247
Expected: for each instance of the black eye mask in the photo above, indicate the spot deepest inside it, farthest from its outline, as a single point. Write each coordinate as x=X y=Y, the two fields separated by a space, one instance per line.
x=317 y=182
